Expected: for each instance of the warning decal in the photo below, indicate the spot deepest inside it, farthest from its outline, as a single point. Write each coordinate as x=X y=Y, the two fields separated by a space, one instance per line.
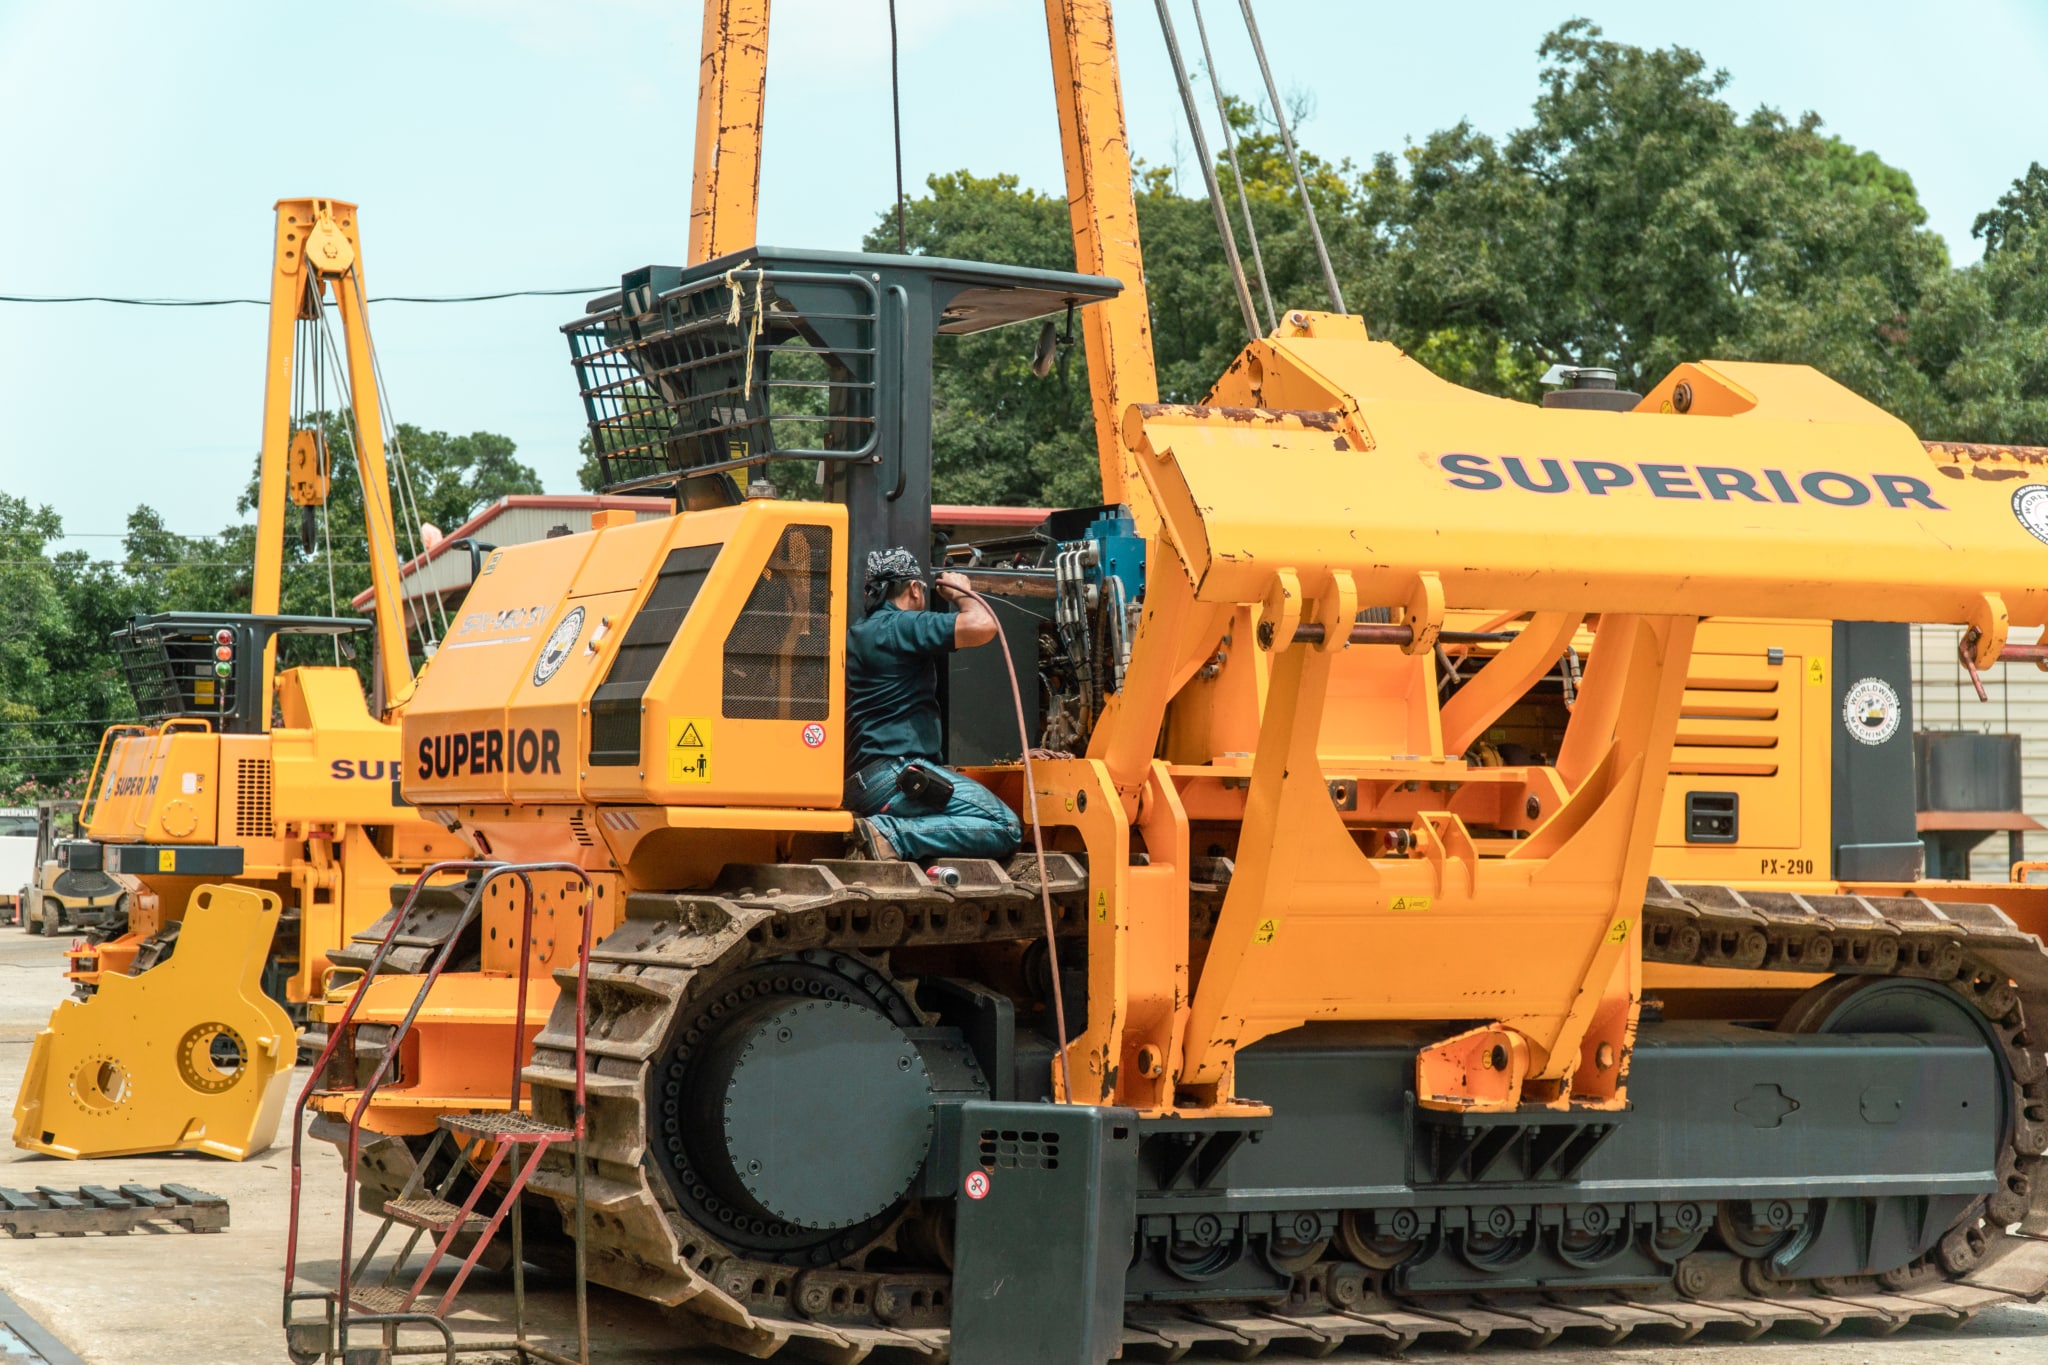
x=1816 y=671
x=977 y=1184
x=689 y=749
x=1409 y=903
x=1268 y=929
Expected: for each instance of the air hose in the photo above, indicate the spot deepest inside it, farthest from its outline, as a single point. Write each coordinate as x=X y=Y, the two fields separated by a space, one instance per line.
x=1052 y=950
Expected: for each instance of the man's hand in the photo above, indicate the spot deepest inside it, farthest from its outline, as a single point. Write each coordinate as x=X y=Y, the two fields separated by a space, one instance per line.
x=973 y=623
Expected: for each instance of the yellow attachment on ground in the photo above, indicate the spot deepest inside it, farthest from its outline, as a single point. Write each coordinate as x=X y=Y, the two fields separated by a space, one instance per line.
x=189 y=1056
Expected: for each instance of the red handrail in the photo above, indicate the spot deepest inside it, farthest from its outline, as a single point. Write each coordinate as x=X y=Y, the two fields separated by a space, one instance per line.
x=335 y=1032
x=491 y=870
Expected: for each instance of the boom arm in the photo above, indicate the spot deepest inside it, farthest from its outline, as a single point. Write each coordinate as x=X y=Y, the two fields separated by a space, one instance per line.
x=732 y=86
x=318 y=249
x=1118 y=331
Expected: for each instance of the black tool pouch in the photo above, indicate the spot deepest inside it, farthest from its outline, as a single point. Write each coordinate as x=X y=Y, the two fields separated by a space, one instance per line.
x=925 y=786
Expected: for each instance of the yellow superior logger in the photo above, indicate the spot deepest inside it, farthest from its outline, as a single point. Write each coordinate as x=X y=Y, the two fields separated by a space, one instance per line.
x=1368 y=1038
x=283 y=785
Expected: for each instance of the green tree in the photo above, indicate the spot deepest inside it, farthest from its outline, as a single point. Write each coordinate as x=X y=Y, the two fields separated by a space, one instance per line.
x=1981 y=339
x=60 y=683
x=1638 y=221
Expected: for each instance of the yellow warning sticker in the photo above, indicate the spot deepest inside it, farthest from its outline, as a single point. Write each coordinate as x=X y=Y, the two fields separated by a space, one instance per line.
x=1618 y=931
x=1269 y=928
x=1816 y=670
x=1410 y=903
x=1102 y=906
x=166 y=860
x=689 y=749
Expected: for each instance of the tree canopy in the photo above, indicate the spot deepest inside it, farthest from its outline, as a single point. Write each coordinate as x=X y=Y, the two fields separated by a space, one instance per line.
x=59 y=682
x=1637 y=220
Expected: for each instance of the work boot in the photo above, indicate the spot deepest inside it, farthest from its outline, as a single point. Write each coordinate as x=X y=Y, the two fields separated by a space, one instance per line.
x=870 y=843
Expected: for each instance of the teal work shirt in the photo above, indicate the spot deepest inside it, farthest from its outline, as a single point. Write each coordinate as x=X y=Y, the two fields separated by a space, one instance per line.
x=892 y=685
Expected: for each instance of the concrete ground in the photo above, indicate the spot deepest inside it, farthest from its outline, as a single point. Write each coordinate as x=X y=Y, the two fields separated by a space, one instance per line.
x=175 y=1298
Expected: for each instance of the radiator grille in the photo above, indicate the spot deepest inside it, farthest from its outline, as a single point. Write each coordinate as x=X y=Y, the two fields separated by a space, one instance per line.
x=1728 y=727
x=252 y=799
x=778 y=651
x=1007 y=1149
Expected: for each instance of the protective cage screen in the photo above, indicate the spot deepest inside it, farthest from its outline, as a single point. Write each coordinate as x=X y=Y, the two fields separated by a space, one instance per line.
x=738 y=369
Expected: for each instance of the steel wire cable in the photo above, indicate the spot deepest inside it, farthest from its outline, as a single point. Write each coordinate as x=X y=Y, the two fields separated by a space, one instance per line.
x=1244 y=203
x=1223 y=228
x=432 y=601
x=1315 y=231
x=896 y=127
x=383 y=497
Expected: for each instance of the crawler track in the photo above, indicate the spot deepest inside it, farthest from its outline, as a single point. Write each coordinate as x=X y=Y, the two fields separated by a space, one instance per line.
x=678 y=951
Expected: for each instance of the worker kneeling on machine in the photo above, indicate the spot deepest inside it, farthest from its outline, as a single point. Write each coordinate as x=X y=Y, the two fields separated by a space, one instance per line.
x=908 y=804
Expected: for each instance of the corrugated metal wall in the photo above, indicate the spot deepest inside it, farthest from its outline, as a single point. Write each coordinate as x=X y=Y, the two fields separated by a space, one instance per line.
x=2018 y=705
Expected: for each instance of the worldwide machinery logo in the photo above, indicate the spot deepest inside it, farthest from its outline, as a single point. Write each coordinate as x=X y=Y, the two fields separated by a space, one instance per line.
x=2030 y=505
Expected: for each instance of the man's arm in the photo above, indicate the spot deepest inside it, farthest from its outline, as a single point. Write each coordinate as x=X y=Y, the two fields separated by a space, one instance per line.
x=973 y=623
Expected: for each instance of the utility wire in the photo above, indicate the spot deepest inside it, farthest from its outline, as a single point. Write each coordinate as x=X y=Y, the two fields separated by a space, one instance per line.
x=223 y=303
x=58 y=560
x=89 y=720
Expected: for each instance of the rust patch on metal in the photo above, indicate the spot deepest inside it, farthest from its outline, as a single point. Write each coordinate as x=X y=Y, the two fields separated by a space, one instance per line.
x=1978 y=451
x=1234 y=415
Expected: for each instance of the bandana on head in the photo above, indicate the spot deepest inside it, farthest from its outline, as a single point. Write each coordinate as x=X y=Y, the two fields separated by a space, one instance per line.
x=893 y=565
x=888 y=571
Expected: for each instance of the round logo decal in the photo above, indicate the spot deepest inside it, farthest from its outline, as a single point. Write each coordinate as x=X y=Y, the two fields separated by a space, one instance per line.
x=814 y=735
x=2030 y=505
x=560 y=641
x=977 y=1184
x=1870 y=712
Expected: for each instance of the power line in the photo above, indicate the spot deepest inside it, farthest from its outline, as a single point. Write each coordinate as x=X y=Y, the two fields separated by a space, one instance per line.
x=169 y=563
x=224 y=303
x=92 y=720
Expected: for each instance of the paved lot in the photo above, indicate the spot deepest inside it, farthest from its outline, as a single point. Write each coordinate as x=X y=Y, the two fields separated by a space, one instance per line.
x=178 y=1299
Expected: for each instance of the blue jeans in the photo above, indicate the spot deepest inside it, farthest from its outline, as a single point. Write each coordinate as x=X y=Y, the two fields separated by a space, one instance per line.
x=972 y=823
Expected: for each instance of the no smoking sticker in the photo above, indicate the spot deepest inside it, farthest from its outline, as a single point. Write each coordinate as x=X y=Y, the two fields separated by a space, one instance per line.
x=977 y=1184
x=814 y=735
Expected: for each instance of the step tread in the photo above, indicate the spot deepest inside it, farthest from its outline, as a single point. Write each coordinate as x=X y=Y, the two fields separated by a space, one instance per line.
x=434 y=1215
x=503 y=1127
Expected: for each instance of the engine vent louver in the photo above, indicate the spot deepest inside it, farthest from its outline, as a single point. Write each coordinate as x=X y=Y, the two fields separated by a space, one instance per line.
x=252 y=799
x=615 y=706
x=1007 y=1149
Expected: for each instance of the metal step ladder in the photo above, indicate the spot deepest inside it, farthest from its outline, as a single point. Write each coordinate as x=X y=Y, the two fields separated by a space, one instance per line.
x=380 y=1300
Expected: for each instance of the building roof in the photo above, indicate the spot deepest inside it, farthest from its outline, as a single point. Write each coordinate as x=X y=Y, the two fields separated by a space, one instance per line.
x=511 y=520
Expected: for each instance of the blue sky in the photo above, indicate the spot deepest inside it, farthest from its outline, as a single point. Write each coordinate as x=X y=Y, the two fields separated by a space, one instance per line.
x=536 y=143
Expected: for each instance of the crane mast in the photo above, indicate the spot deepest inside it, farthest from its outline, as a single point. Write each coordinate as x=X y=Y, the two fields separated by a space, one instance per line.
x=318 y=254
